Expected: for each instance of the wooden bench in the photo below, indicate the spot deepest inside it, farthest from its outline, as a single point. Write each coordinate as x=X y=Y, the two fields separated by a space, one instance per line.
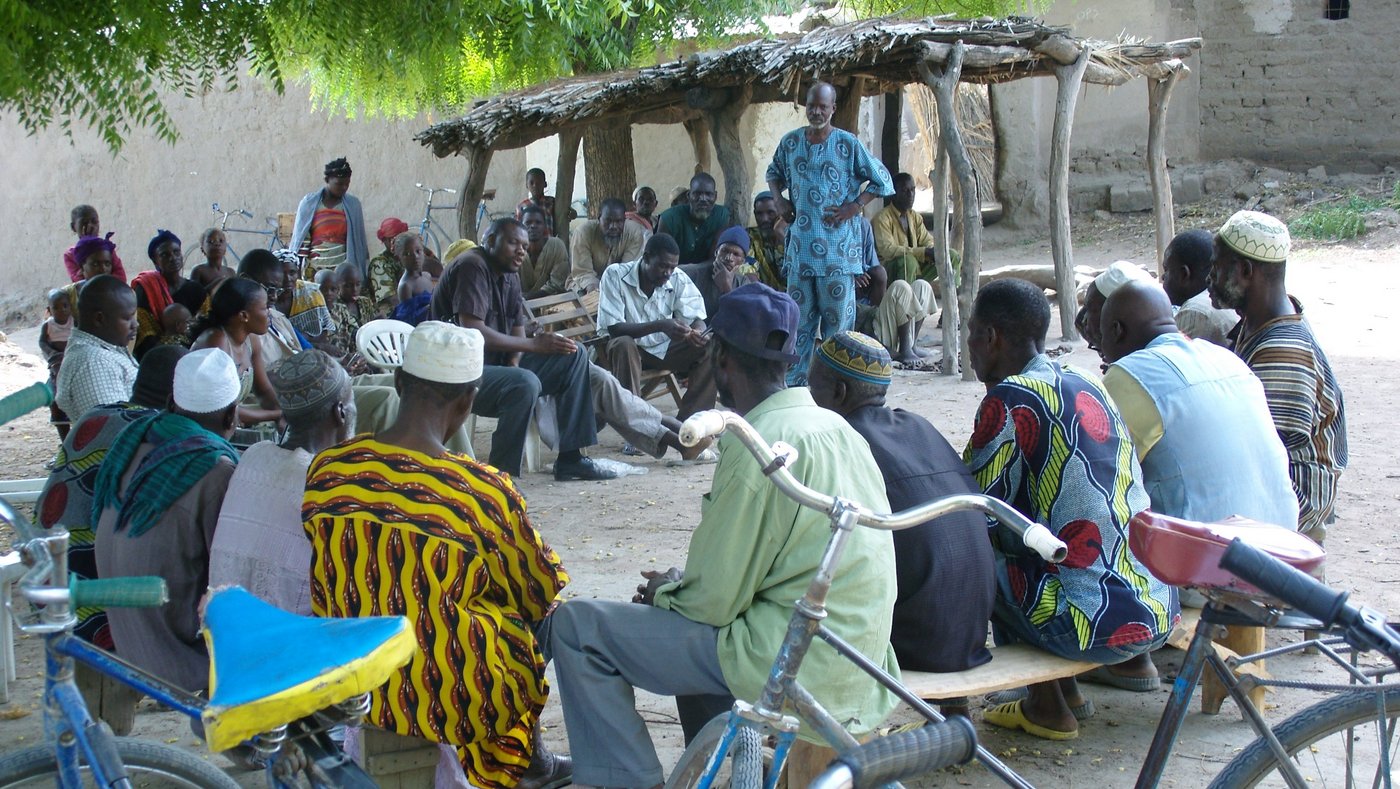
x=398 y=762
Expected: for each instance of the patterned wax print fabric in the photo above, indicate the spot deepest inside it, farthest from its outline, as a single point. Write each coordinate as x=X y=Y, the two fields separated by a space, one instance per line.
x=329 y=228
x=1050 y=443
x=768 y=262
x=444 y=541
x=1306 y=404
x=309 y=314
x=382 y=282
x=66 y=499
x=821 y=176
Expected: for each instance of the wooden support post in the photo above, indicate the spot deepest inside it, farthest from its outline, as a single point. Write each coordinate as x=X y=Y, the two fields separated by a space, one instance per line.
x=1243 y=641
x=729 y=149
x=1159 y=91
x=942 y=79
x=699 y=131
x=564 y=182
x=1068 y=79
x=892 y=129
x=947 y=281
x=478 y=162
x=847 y=115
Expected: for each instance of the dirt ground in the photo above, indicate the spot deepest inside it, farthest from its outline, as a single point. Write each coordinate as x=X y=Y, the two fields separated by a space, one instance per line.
x=607 y=532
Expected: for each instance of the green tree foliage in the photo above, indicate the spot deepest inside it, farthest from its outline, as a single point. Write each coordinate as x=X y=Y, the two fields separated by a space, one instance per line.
x=105 y=63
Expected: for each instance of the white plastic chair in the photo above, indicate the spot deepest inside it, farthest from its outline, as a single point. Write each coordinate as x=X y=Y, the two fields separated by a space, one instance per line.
x=381 y=343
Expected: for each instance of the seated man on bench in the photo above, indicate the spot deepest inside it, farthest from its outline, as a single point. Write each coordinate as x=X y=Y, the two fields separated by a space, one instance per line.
x=1048 y=441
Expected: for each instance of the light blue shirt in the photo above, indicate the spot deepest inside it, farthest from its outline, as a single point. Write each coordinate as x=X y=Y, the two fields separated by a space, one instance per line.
x=1201 y=427
x=821 y=176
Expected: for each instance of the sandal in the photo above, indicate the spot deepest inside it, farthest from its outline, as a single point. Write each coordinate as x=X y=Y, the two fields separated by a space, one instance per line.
x=1103 y=676
x=1010 y=716
x=1082 y=712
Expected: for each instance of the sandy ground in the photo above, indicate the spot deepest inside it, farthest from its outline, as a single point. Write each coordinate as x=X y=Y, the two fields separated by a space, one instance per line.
x=607 y=532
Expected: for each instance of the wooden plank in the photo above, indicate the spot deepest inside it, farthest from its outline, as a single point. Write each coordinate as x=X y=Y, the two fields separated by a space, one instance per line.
x=22 y=491
x=1012 y=666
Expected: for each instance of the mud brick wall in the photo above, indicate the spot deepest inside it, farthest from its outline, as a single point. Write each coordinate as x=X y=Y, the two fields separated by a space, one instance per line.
x=1283 y=85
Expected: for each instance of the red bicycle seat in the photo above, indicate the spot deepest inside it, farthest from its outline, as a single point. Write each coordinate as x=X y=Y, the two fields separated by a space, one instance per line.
x=1187 y=553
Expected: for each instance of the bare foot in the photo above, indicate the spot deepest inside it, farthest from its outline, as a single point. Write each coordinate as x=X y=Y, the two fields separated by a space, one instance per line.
x=691 y=453
x=908 y=358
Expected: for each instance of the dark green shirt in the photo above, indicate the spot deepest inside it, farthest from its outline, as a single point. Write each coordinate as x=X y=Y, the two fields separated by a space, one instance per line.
x=696 y=239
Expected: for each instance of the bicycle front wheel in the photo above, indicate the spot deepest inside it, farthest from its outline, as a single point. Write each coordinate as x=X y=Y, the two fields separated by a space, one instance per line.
x=745 y=766
x=148 y=764
x=1334 y=743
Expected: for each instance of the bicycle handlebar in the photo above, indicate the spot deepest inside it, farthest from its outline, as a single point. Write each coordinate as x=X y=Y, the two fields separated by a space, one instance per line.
x=777 y=459
x=1364 y=628
x=30 y=398
x=431 y=189
x=910 y=754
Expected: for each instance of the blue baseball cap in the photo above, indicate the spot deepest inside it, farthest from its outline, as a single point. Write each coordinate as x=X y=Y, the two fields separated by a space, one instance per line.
x=748 y=316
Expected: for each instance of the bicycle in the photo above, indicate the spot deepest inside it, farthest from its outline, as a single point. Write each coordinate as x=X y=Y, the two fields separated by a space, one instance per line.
x=257 y=689
x=274 y=238
x=1256 y=594
x=429 y=230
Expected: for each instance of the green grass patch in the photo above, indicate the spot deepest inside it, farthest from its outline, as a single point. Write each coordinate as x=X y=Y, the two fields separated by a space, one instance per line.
x=1340 y=221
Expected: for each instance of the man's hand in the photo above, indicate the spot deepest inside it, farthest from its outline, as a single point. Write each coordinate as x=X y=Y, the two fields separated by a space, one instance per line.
x=696 y=338
x=835 y=215
x=646 y=591
x=786 y=212
x=674 y=329
x=723 y=277
x=929 y=256
x=862 y=281
x=550 y=343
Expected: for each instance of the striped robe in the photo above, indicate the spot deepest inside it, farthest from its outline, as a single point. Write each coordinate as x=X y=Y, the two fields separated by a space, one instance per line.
x=445 y=542
x=1306 y=404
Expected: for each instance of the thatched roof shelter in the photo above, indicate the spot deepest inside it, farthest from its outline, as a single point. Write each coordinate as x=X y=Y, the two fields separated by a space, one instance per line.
x=885 y=52
x=711 y=90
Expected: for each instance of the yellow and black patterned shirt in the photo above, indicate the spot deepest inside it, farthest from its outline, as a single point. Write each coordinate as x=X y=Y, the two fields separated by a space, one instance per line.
x=444 y=541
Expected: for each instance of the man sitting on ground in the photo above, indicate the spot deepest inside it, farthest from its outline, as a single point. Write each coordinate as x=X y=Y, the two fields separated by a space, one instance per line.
x=97 y=368
x=481 y=290
x=904 y=243
x=943 y=566
x=727 y=271
x=546 y=269
x=260 y=544
x=159 y=493
x=714 y=629
x=654 y=319
x=768 y=238
x=1048 y=441
x=892 y=312
x=697 y=224
x=1185 y=275
x=1197 y=416
x=602 y=242
x=459 y=558
x=1277 y=343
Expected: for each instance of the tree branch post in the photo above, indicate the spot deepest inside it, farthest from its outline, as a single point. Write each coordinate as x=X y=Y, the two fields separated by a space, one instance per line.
x=565 y=168
x=478 y=162
x=1068 y=79
x=1159 y=92
x=947 y=280
x=729 y=149
x=847 y=115
x=699 y=132
x=942 y=78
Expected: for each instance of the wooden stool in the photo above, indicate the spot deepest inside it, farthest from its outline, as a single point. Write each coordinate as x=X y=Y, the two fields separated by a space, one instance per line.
x=398 y=762
x=1242 y=641
x=107 y=699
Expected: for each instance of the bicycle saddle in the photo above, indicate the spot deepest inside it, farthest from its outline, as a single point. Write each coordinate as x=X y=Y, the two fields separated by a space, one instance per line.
x=1187 y=553
x=268 y=667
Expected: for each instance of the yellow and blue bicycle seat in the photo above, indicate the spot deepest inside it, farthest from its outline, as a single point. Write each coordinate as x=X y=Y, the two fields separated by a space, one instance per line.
x=268 y=667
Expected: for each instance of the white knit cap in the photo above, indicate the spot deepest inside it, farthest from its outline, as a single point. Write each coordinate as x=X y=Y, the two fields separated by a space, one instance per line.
x=1257 y=236
x=1120 y=273
x=206 y=381
x=441 y=352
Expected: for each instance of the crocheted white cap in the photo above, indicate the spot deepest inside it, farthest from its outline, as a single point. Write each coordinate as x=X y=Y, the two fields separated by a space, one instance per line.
x=1120 y=273
x=441 y=352
x=205 y=381
x=1257 y=236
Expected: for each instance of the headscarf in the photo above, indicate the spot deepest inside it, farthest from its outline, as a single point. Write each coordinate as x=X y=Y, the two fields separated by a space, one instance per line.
x=338 y=168
x=390 y=228
x=161 y=237
x=90 y=244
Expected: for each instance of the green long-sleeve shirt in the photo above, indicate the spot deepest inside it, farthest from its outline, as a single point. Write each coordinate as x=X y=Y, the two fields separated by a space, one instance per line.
x=755 y=551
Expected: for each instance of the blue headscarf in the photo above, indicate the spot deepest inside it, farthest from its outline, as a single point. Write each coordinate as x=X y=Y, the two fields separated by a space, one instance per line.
x=162 y=236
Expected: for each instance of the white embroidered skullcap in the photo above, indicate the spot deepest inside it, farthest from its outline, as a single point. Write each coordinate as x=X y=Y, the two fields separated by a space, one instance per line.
x=1120 y=273
x=1257 y=236
x=206 y=381
x=441 y=352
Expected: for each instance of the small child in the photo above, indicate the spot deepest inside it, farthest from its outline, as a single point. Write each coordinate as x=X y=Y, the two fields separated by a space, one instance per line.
x=84 y=222
x=214 y=244
x=329 y=282
x=175 y=325
x=416 y=285
x=54 y=334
